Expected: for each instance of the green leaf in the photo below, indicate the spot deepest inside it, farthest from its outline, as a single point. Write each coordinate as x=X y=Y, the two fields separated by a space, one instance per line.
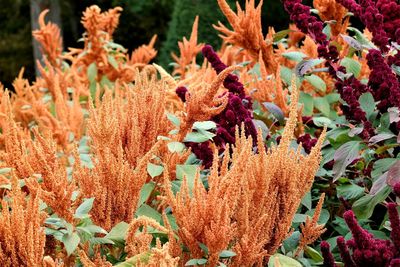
x=396 y=69
x=284 y=261
x=174 y=119
x=134 y=261
x=364 y=207
x=198 y=137
x=94 y=229
x=92 y=72
x=382 y=165
x=323 y=121
x=313 y=254
x=154 y=170
x=323 y=217
x=291 y=243
x=101 y=241
x=189 y=171
x=204 y=125
x=83 y=210
x=306 y=65
x=327 y=30
x=351 y=65
x=146 y=210
x=322 y=104
x=280 y=35
x=286 y=75
x=344 y=156
x=294 y=55
x=145 y=192
x=194 y=262
x=317 y=82
x=352 y=42
x=5 y=170
x=275 y=111
x=308 y=103
x=367 y=103
x=361 y=38
x=306 y=201
x=71 y=242
x=112 y=61
x=393 y=176
x=259 y=124
x=381 y=137
x=350 y=191
x=227 y=254
x=118 y=233
x=176 y=147
x=332 y=98
x=379 y=184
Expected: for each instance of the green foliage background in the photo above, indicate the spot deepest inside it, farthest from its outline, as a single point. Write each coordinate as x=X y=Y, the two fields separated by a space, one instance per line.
x=140 y=20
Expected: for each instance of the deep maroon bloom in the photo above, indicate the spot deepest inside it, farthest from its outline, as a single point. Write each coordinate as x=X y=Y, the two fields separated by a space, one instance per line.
x=346 y=204
x=239 y=108
x=382 y=81
x=349 y=89
x=329 y=261
x=394 y=224
x=344 y=252
x=238 y=112
x=366 y=250
x=231 y=82
x=202 y=152
x=181 y=92
x=396 y=189
x=307 y=142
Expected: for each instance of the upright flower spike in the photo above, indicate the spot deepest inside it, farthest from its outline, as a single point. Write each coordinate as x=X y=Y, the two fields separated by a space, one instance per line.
x=247 y=31
x=394 y=224
x=349 y=89
x=144 y=53
x=311 y=230
x=238 y=109
x=329 y=261
x=188 y=50
x=365 y=250
x=344 y=252
x=22 y=237
x=48 y=35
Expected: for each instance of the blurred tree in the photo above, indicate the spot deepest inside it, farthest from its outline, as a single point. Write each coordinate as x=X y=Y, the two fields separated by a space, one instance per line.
x=184 y=12
x=183 y=15
x=37 y=6
x=15 y=40
x=169 y=19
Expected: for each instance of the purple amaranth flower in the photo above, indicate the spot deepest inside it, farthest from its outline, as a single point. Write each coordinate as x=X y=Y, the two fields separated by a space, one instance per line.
x=346 y=204
x=329 y=261
x=396 y=189
x=239 y=108
x=344 y=252
x=307 y=142
x=181 y=92
x=382 y=81
x=349 y=89
x=202 y=152
x=370 y=15
x=365 y=250
x=390 y=11
x=237 y=112
x=231 y=82
x=394 y=224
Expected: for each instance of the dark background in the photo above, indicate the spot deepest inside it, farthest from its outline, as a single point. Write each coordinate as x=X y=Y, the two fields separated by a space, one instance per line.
x=140 y=19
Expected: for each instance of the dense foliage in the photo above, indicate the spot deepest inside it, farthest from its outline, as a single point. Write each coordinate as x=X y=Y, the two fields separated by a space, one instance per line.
x=277 y=149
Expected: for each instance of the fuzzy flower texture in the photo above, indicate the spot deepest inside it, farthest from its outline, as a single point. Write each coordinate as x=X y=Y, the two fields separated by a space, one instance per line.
x=364 y=249
x=237 y=112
